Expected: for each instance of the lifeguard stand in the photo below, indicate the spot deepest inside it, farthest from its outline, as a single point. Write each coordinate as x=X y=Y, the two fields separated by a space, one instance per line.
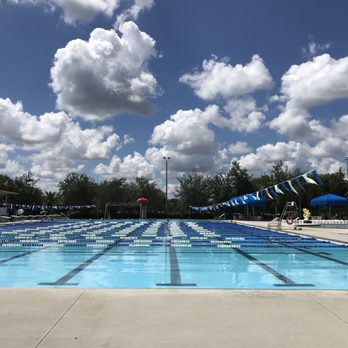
x=289 y=214
x=143 y=207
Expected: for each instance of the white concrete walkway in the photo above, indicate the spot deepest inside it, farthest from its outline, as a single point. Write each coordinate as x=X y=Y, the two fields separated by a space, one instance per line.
x=55 y=318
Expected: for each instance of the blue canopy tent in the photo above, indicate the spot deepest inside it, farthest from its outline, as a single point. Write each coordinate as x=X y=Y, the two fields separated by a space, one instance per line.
x=330 y=200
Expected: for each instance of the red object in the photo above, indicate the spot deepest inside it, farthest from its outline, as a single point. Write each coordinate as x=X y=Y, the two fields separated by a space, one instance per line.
x=143 y=200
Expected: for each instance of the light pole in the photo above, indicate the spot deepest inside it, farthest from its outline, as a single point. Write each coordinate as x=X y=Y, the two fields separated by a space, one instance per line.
x=166 y=202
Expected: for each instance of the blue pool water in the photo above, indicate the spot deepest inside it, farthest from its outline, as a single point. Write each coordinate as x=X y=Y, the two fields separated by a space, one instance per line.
x=166 y=254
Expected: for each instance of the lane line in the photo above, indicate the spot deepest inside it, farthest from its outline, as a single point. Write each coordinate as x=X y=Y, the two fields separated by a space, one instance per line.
x=175 y=276
x=267 y=268
x=64 y=280
x=321 y=255
x=22 y=255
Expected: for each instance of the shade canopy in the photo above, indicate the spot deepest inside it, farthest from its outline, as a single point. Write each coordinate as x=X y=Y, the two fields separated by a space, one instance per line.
x=6 y=193
x=329 y=200
x=142 y=200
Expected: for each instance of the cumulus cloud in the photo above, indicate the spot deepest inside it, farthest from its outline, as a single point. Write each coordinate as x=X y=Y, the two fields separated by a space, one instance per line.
x=75 y=10
x=127 y=139
x=7 y=164
x=314 y=48
x=55 y=142
x=238 y=148
x=133 y=12
x=220 y=79
x=130 y=167
x=86 y=10
x=316 y=82
x=187 y=138
x=244 y=115
x=297 y=155
x=106 y=75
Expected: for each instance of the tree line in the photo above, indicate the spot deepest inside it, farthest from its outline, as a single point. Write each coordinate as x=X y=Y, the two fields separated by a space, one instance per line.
x=194 y=189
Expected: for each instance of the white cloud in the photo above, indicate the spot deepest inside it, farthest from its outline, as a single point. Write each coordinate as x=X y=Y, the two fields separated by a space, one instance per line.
x=106 y=75
x=9 y=166
x=316 y=82
x=219 y=79
x=313 y=48
x=133 y=12
x=239 y=147
x=23 y=127
x=130 y=167
x=75 y=10
x=187 y=138
x=127 y=139
x=295 y=155
x=86 y=10
x=244 y=116
x=54 y=142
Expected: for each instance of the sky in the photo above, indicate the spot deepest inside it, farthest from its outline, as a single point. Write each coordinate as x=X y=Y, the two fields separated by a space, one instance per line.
x=110 y=87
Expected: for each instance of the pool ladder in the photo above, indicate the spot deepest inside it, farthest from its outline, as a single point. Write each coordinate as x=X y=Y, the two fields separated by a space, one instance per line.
x=289 y=214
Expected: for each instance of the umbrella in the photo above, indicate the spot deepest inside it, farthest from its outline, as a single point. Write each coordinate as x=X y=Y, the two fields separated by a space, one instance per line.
x=330 y=200
x=143 y=200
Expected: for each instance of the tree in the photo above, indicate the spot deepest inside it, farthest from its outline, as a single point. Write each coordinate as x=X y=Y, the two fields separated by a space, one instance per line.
x=114 y=190
x=143 y=187
x=28 y=192
x=6 y=183
x=240 y=179
x=77 y=189
x=51 y=198
x=222 y=187
x=194 y=189
x=334 y=183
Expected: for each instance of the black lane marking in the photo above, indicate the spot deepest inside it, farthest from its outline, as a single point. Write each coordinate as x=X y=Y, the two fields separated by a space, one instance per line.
x=304 y=250
x=175 y=276
x=179 y=284
x=267 y=268
x=287 y=281
x=292 y=285
x=22 y=255
x=322 y=256
x=64 y=280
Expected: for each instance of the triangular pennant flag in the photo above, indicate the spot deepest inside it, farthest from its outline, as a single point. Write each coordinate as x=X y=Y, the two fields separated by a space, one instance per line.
x=277 y=189
x=309 y=180
x=274 y=191
x=266 y=190
x=252 y=195
x=284 y=186
x=292 y=187
x=317 y=177
x=299 y=184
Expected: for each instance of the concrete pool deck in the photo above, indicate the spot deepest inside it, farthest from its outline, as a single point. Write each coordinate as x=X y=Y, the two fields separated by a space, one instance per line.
x=333 y=234
x=93 y=318
x=56 y=318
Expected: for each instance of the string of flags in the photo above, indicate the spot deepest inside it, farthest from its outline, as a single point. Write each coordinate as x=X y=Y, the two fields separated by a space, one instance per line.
x=39 y=207
x=259 y=198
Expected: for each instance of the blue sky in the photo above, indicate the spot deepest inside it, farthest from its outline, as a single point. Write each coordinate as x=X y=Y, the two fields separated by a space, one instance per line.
x=109 y=87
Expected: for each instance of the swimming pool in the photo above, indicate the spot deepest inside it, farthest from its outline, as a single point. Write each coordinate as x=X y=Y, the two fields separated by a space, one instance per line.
x=166 y=254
